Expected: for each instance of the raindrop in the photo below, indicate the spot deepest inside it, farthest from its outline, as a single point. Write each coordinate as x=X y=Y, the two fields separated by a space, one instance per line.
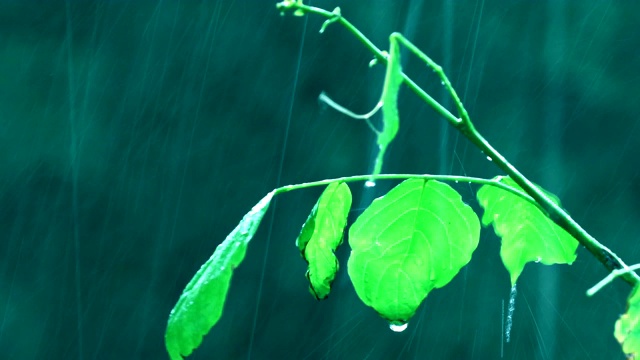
x=489 y=158
x=370 y=183
x=398 y=327
x=442 y=83
x=538 y=259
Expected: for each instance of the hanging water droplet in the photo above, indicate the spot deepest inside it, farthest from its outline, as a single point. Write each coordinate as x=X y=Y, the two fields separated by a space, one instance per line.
x=370 y=183
x=538 y=259
x=442 y=83
x=489 y=158
x=398 y=327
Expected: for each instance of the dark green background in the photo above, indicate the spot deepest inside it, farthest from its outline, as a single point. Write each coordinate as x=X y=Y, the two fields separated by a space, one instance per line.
x=135 y=134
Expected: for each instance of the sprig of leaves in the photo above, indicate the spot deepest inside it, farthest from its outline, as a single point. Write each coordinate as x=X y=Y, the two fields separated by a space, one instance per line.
x=413 y=239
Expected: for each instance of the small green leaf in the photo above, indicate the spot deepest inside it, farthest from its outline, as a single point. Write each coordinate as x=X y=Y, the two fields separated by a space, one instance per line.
x=392 y=81
x=390 y=118
x=627 y=330
x=527 y=233
x=415 y=238
x=320 y=236
x=200 y=305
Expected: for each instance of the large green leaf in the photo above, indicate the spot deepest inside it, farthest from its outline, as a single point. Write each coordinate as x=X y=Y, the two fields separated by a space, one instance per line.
x=627 y=330
x=321 y=235
x=527 y=233
x=415 y=238
x=200 y=305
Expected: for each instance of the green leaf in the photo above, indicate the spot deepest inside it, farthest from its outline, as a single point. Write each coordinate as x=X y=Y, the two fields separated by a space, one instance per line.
x=200 y=305
x=627 y=330
x=527 y=233
x=415 y=238
x=320 y=236
x=392 y=81
x=391 y=88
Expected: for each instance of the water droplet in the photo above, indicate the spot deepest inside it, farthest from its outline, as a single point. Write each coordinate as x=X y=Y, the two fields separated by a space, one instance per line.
x=489 y=158
x=538 y=259
x=370 y=183
x=442 y=83
x=398 y=327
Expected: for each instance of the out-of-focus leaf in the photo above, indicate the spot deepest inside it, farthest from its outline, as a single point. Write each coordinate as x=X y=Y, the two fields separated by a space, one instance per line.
x=627 y=330
x=200 y=305
x=527 y=233
x=321 y=235
x=415 y=238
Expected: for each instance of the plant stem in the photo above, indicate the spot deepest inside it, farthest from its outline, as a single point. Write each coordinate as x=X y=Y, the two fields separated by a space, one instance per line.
x=464 y=125
x=455 y=178
x=614 y=274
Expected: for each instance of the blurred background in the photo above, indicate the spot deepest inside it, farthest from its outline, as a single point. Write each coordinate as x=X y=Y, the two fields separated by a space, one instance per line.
x=135 y=135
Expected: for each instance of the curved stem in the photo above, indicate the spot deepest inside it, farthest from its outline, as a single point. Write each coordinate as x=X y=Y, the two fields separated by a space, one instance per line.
x=464 y=125
x=454 y=178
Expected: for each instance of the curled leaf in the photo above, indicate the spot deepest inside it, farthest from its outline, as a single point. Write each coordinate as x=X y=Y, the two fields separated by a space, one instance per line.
x=320 y=236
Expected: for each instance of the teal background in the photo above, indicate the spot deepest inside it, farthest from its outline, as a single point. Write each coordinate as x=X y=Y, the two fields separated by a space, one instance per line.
x=135 y=135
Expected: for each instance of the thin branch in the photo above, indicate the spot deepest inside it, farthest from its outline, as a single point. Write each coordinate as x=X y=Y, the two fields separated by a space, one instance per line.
x=448 y=178
x=339 y=108
x=612 y=275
